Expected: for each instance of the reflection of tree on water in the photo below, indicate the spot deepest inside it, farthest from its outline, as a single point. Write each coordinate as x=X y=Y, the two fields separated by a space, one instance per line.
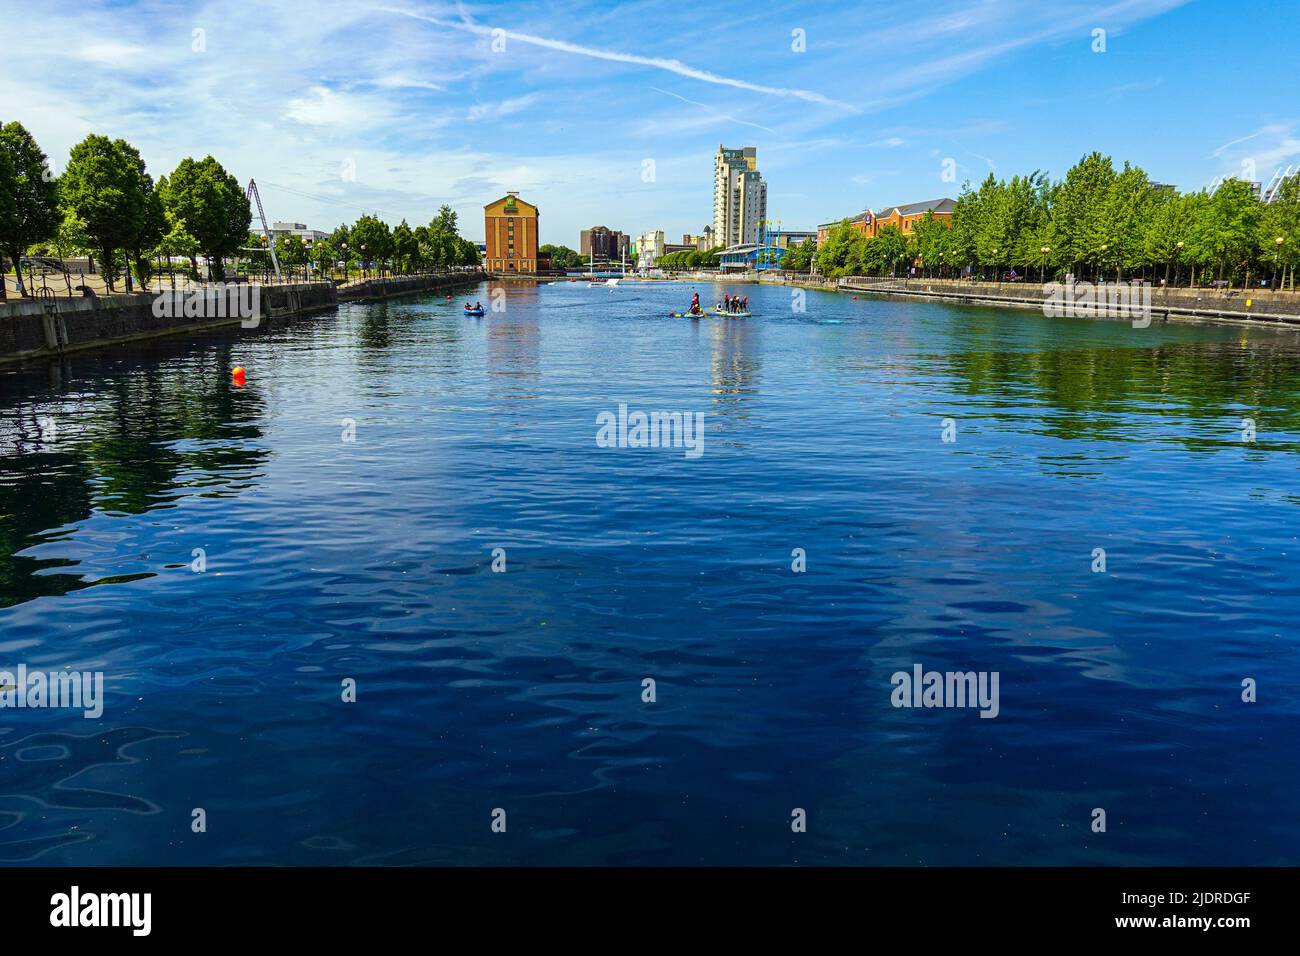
x=375 y=333
x=1096 y=387
x=132 y=439
x=733 y=345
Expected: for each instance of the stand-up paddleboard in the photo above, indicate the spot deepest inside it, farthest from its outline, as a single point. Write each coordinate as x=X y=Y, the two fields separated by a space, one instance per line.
x=724 y=314
x=687 y=315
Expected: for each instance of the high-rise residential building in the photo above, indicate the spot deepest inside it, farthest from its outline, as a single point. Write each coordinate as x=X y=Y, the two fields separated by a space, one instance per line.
x=739 y=196
x=510 y=231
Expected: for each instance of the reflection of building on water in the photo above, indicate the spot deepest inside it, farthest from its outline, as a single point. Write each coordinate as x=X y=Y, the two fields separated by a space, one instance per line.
x=733 y=346
x=513 y=350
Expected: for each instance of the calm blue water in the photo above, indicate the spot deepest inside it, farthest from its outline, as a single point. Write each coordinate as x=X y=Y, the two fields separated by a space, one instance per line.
x=522 y=690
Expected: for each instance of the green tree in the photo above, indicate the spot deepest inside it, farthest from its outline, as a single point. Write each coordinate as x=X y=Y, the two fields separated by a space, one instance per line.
x=445 y=221
x=1078 y=211
x=371 y=241
x=1281 y=219
x=213 y=205
x=149 y=222
x=833 y=255
x=467 y=253
x=562 y=257
x=1226 y=232
x=101 y=189
x=799 y=257
x=29 y=208
x=291 y=250
x=930 y=239
x=888 y=250
x=405 y=248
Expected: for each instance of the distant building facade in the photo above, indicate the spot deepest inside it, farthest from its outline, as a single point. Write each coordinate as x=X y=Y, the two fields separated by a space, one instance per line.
x=510 y=234
x=793 y=237
x=603 y=243
x=279 y=230
x=649 y=248
x=739 y=196
x=903 y=218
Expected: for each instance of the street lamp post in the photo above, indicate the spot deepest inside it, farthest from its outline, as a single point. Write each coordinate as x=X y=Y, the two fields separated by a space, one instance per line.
x=1179 y=256
x=1101 y=264
x=995 y=264
x=1042 y=269
x=344 y=247
x=1277 y=251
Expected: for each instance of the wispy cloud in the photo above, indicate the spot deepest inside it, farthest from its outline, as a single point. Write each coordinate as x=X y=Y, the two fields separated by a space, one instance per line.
x=718 y=114
x=1276 y=144
x=615 y=56
x=868 y=178
x=502 y=108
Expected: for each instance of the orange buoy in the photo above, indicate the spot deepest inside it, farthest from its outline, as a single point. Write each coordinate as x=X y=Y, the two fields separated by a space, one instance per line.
x=237 y=375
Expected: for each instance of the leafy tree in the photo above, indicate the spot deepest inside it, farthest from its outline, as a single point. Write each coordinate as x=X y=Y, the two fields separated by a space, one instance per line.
x=445 y=221
x=888 y=249
x=1079 y=209
x=1226 y=233
x=371 y=240
x=213 y=205
x=833 y=254
x=467 y=253
x=29 y=209
x=1281 y=218
x=148 y=220
x=798 y=258
x=291 y=250
x=102 y=189
x=562 y=257
x=406 y=249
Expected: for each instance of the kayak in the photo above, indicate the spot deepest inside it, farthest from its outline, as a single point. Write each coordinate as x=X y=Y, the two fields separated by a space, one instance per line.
x=474 y=311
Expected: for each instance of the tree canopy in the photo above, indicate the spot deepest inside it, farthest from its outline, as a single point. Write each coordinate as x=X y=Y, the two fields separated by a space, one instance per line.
x=29 y=209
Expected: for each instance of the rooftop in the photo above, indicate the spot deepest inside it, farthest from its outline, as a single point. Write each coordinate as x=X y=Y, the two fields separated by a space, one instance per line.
x=916 y=208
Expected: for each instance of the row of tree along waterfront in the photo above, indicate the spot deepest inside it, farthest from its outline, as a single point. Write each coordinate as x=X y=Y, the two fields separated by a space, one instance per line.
x=107 y=205
x=1097 y=221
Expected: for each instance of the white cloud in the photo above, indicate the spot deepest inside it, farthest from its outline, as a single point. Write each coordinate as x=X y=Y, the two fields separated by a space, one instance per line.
x=508 y=107
x=108 y=53
x=324 y=107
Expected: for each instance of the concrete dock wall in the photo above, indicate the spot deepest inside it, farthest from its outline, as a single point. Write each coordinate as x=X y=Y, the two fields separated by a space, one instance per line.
x=44 y=327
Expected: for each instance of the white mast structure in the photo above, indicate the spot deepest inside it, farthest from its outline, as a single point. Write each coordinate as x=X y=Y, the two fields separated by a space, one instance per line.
x=252 y=194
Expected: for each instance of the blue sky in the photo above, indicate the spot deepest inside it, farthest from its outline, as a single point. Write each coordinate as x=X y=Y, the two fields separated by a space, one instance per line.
x=610 y=112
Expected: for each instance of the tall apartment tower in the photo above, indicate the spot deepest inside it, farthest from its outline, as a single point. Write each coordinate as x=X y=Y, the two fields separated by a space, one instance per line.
x=739 y=196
